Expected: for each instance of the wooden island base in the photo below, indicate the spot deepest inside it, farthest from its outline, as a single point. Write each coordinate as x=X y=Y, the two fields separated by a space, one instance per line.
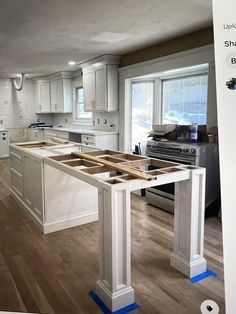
x=116 y=174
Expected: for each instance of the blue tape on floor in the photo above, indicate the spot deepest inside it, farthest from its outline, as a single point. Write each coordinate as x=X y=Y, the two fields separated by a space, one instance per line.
x=202 y=276
x=105 y=309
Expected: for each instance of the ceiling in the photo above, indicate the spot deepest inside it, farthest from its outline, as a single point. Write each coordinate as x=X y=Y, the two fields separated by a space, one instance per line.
x=40 y=36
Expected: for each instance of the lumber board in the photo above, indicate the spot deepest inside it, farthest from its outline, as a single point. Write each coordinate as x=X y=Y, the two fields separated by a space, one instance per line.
x=119 y=167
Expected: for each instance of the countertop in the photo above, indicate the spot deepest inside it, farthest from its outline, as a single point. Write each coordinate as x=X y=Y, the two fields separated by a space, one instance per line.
x=48 y=151
x=83 y=131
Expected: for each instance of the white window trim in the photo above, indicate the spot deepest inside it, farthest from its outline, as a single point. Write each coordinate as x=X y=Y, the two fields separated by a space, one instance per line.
x=80 y=121
x=188 y=58
x=133 y=81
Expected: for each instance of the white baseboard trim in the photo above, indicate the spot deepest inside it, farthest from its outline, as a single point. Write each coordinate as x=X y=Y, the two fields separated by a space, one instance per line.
x=189 y=269
x=62 y=224
x=117 y=300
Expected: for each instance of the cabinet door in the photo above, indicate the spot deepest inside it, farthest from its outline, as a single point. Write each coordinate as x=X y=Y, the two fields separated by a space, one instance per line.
x=54 y=96
x=67 y=95
x=89 y=90
x=28 y=180
x=44 y=97
x=37 y=187
x=60 y=98
x=100 y=89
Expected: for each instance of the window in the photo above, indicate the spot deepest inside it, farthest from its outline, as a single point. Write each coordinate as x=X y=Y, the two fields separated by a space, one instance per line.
x=184 y=100
x=142 y=112
x=80 y=114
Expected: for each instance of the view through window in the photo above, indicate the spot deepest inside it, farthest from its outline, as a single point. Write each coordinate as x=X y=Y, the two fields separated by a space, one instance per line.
x=185 y=100
x=79 y=106
x=142 y=112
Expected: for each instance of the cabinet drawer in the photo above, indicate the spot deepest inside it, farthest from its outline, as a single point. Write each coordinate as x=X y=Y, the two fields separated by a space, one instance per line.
x=16 y=161
x=88 y=138
x=17 y=183
x=87 y=143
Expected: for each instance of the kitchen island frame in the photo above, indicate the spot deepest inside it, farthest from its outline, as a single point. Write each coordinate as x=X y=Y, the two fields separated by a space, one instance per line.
x=116 y=175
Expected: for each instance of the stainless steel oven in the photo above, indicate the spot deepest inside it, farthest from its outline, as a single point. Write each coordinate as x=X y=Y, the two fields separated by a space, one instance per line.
x=203 y=155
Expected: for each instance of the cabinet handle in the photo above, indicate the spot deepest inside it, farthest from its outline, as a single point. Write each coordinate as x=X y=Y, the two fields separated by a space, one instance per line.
x=40 y=108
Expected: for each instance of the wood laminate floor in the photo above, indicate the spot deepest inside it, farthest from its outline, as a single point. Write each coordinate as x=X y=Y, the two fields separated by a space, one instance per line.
x=54 y=273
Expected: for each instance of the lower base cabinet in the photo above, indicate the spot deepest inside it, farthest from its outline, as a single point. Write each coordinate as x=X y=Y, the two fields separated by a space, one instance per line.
x=33 y=182
x=51 y=206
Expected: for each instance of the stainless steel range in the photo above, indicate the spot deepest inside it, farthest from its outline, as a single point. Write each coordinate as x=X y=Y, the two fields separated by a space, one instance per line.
x=203 y=154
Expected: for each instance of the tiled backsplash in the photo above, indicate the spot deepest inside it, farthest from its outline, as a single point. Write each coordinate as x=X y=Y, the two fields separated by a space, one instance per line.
x=106 y=121
x=17 y=108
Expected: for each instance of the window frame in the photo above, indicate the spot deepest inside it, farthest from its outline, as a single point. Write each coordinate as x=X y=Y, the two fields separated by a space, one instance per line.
x=176 y=77
x=154 y=112
x=80 y=120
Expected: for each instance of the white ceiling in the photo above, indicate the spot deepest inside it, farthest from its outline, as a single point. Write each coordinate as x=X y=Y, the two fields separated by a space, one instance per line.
x=41 y=36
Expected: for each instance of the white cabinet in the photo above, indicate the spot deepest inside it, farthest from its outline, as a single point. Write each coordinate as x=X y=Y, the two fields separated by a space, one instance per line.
x=106 y=141
x=54 y=94
x=55 y=133
x=32 y=184
x=61 y=95
x=100 y=88
x=16 y=172
x=53 y=199
x=28 y=180
x=35 y=134
x=43 y=102
x=89 y=90
x=37 y=170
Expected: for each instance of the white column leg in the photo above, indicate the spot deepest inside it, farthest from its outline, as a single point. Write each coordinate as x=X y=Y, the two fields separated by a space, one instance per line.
x=187 y=256
x=114 y=284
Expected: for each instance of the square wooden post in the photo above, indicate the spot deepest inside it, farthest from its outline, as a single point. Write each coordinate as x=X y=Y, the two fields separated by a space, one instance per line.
x=114 y=284
x=187 y=256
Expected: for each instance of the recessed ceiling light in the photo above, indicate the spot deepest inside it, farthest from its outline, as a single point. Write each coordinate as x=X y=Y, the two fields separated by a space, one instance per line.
x=110 y=37
x=72 y=63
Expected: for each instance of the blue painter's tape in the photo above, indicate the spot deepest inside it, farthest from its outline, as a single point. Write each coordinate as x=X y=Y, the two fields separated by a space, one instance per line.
x=202 y=276
x=105 y=309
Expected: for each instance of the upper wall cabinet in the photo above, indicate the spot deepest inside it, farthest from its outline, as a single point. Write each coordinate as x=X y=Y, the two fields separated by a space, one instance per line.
x=54 y=94
x=43 y=97
x=100 y=82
